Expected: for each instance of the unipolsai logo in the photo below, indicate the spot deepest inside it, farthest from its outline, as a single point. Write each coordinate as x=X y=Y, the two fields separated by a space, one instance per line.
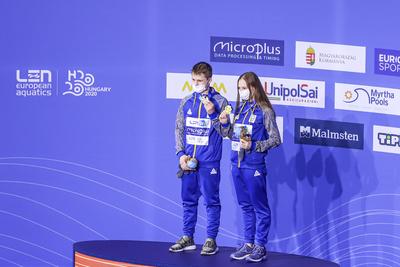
x=282 y=93
x=34 y=83
x=82 y=84
x=295 y=92
x=310 y=56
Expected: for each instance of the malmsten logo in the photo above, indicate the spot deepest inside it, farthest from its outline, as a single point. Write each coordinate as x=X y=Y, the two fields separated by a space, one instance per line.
x=329 y=133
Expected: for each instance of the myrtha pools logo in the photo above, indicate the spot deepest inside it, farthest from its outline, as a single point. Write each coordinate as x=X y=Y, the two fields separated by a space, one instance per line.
x=33 y=83
x=367 y=98
x=80 y=83
x=374 y=96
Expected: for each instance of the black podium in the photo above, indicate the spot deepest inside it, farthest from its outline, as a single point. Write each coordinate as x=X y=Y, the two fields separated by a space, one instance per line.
x=145 y=253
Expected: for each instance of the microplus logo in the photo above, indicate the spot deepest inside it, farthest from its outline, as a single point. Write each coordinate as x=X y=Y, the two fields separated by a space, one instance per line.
x=387 y=62
x=386 y=139
x=329 y=133
x=33 y=83
x=245 y=50
x=367 y=98
x=295 y=92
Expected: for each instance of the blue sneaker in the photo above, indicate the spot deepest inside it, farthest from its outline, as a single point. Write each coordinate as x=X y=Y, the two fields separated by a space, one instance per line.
x=258 y=254
x=242 y=252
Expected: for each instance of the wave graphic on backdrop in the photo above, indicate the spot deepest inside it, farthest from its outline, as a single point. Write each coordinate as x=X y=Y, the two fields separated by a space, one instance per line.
x=355 y=238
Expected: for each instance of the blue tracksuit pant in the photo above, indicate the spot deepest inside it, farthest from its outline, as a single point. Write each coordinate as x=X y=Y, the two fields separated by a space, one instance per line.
x=251 y=192
x=205 y=182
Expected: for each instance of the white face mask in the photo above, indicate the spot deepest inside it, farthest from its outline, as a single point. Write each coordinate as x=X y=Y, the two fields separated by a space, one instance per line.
x=244 y=94
x=199 y=88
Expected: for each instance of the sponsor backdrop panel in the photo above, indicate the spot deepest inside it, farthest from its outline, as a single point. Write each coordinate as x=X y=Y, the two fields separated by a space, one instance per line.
x=88 y=97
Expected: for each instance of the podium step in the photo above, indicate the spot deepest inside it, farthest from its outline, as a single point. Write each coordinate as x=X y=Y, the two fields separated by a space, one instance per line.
x=107 y=253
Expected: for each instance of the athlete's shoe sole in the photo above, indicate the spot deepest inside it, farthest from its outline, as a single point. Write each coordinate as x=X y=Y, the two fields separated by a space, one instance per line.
x=209 y=253
x=192 y=247
x=239 y=258
x=257 y=260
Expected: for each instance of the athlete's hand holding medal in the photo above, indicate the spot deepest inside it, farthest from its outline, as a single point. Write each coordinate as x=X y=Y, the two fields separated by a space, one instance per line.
x=208 y=105
x=224 y=116
x=245 y=138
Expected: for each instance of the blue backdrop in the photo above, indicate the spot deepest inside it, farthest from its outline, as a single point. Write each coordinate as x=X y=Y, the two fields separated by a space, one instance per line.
x=102 y=165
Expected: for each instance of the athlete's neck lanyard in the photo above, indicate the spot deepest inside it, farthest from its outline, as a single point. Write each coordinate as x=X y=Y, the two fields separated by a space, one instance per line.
x=247 y=112
x=244 y=118
x=198 y=117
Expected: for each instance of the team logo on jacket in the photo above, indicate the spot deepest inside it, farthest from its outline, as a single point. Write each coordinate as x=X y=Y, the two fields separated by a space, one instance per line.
x=213 y=171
